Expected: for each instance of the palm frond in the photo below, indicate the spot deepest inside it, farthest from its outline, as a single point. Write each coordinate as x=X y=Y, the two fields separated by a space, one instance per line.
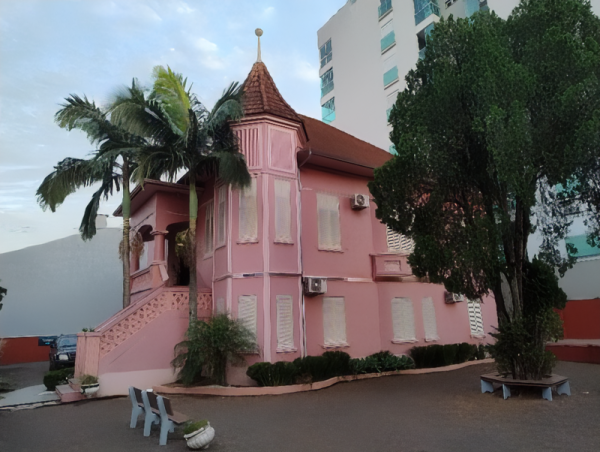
x=232 y=168
x=170 y=91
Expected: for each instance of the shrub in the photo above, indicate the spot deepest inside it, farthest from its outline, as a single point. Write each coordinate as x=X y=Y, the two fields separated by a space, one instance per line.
x=318 y=368
x=57 y=377
x=278 y=374
x=88 y=380
x=445 y=355
x=383 y=361
x=191 y=427
x=211 y=345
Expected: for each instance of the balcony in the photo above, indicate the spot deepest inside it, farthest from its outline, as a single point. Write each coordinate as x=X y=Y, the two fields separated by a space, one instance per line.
x=387 y=41
x=391 y=267
x=422 y=53
x=424 y=9
x=384 y=8
x=390 y=76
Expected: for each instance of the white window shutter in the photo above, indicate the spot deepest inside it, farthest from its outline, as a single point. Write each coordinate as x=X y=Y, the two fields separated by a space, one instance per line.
x=475 y=318
x=209 y=231
x=328 y=217
x=429 y=321
x=247 y=312
x=221 y=306
x=285 y=323
x=283 y=211
x=248 y=214
x=221 y=212
x=334 y=322
x=403 y=320
x=397 y=242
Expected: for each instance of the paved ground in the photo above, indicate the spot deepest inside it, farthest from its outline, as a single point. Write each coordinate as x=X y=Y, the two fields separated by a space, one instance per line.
x=408 y=413
x=24 y=375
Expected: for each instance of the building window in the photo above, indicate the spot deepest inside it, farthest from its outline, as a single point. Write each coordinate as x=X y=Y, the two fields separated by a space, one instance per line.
x=384 y=7
x=285 y=324
x=327 y=82
x=403 y=320
x=247 y=312
x=328 y=111
x=283 y=211
x=424 y=9
x=388 y=37
x=325 y=52
x=392 y=149
x=422 y=39
x=429 y=322
x=209 y=228
x=328 y=218
x=248 y=214
x=221 y=212
x=472 y=6
x=221 y=306
x=475 y=318
x=397 y=242
x=334 y=322
x=390 y=70
x=391 y=100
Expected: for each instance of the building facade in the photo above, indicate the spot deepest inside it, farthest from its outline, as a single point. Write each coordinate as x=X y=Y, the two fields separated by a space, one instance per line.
x=299 y=257
x=368 y=47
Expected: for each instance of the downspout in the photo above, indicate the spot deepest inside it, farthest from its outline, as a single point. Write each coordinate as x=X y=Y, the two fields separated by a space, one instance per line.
x=303 y=313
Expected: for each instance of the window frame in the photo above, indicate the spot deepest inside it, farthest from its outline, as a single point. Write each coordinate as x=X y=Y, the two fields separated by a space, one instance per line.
x=322 y=206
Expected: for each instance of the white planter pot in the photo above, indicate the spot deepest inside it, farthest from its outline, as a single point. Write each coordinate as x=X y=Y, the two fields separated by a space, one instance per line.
x=88 y=390
x=200 y=439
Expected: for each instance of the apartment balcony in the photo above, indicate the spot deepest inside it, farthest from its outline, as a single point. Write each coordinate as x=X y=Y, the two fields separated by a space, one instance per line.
x=424 y=9
x=384 y=8
x=387 y=41
x=422 y=53
x=390 y=76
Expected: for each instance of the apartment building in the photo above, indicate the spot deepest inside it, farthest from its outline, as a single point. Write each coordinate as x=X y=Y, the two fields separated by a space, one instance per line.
x=368 y=47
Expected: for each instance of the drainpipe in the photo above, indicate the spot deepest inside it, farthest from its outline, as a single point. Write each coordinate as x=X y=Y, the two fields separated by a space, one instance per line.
x=303 y=313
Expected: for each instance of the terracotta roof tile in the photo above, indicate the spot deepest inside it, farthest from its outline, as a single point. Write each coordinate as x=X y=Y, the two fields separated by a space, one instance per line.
x=262 y=96
x=331 y=142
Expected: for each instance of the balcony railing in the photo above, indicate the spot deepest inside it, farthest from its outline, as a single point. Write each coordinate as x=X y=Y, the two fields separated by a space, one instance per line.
x=427 y=10
x=386 y=5
x=388 y=40
x=422 y=53
x=390 y=76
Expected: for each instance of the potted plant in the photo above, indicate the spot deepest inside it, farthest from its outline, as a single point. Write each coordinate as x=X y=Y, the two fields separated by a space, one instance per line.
x=89 y=385
x=198 y=434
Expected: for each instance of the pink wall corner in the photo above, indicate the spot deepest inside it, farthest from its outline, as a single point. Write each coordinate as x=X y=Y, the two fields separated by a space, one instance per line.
x=204 y=262
x=149 y=348
x=145 y=214
x=171 y=208
x=379 y=232
x=286 y=285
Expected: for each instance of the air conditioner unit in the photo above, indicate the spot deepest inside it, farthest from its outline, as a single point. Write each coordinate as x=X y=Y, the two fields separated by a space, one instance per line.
x=359 y=201
x=315 y=286
x=451 y=298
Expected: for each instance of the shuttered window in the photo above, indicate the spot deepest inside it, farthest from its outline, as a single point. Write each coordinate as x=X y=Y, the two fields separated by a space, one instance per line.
x=247 y=312
x=475 y=318
x=397 y=242
x=403 y=320
x=248 y=214
x=283 y=211
x=429 y=322
x=221 y=306
x=221 y=209
x=334 y=321
x=285 y=323
x=209 y=230
x=328 y=217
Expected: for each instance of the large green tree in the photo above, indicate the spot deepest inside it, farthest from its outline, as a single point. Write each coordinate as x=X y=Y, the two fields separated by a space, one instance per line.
x=110 y=165
x=185 y=135
x=498 y=133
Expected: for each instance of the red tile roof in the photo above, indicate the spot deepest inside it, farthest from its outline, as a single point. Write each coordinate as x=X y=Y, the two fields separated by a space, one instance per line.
x=262 y=96
x=327 y=141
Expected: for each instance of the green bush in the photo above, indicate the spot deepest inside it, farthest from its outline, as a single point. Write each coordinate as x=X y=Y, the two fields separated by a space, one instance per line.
x=445 y=355
x=88 y=380
x=383 y=361
x=191 y=426
x=210 y=346
x=57 y=377
x=278 y=374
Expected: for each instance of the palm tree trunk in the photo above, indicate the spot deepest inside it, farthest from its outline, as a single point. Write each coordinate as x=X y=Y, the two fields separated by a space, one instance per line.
x=126 y=229
x=193 y=297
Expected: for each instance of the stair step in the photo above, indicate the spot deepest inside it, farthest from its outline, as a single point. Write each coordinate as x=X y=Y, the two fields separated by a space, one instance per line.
x=67 y=394
x=74 y=384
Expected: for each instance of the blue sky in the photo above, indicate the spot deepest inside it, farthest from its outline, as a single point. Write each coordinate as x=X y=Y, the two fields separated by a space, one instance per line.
x=52 y=48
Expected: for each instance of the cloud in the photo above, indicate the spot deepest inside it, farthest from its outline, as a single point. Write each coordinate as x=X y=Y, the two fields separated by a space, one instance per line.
x=268 y=12
x=306 y=71
x=206 y=46
x=184 y=8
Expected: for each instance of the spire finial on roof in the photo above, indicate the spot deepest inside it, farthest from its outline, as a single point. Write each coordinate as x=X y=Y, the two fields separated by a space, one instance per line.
x=258 y=33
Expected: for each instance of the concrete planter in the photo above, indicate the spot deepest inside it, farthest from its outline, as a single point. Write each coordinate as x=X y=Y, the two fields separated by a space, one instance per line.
x=89 y=390
x=200 y=439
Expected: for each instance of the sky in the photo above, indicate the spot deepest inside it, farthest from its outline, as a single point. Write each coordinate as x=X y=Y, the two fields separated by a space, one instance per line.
x=50 y=49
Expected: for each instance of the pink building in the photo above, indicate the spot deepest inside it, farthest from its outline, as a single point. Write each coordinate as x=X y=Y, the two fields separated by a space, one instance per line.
x=299 y=256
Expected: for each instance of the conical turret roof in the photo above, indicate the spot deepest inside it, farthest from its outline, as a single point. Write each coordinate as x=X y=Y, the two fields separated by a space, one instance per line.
x=262 y=96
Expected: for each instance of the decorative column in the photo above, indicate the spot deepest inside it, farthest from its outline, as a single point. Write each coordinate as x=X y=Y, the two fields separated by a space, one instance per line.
x=134 y=263
x=159 y=245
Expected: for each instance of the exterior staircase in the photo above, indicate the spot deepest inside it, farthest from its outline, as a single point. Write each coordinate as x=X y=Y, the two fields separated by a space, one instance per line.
x=70 y=392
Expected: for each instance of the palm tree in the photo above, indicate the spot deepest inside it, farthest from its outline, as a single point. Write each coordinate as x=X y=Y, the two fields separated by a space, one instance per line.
x=185 y=135
x=110 y=165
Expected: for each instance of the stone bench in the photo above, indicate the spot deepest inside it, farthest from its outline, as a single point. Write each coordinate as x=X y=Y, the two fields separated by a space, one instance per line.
x=561 y=383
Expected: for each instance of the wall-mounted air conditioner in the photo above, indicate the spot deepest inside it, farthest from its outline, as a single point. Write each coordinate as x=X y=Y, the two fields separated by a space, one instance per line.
x=359 y=201
x=315 y=286
x=451 y=298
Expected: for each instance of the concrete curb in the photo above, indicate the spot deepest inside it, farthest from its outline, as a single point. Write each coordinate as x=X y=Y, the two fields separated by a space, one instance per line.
x=225 y=391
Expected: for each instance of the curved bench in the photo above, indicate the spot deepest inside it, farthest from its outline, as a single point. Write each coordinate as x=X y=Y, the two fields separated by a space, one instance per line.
x=561 y=383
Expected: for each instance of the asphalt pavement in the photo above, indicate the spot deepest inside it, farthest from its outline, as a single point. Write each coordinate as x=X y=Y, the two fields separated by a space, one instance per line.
x=407 y=413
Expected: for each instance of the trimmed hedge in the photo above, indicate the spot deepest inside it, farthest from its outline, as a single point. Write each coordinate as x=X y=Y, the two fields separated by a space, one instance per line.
x=58 y=377
x=328 y=365
x=446 y=355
